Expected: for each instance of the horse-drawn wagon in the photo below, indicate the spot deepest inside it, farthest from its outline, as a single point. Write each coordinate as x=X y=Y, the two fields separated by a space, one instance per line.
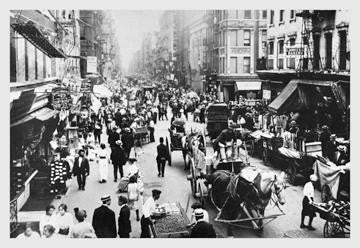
x=177 y=138
x=238 y=191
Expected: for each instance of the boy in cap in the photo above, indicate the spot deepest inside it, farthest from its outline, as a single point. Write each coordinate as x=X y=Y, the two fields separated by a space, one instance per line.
x=104 y=222
x=202 y=229
x=148 y=208
x=308 y=199
x=124 y=218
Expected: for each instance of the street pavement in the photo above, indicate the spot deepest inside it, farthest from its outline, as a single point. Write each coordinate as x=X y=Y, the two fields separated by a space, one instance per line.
x=175 y=188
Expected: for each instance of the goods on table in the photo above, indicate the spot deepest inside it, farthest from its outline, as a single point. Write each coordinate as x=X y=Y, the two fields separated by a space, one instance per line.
x=173 y=223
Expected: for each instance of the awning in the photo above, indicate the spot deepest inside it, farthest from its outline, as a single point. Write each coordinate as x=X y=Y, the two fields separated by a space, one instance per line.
x=285 y=94
x=35 y=37
x=96 y=104
x=101 y=91
x=41 y=115
x=241 y=86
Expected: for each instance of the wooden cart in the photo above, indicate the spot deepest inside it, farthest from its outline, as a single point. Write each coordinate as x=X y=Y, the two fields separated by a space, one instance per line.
x=172 y=225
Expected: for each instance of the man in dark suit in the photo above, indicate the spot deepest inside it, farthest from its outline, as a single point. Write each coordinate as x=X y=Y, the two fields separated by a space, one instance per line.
x=124 y=218
x=202 y=229
x=118 y=158
x=162 y=156
x=104 y=222
x=114 y=135
x=81 y=169
x=127 y=138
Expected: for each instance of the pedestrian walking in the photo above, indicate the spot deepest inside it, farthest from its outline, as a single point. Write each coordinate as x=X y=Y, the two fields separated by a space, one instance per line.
x=124 y=223
x=148 y=208
x=127 y=138
x=103 y=162
x=118 y=158
x=63 y=221
x=98 y=131
x=47 y=218
x=152 y=130
x=308 y=209
x=29 y=232
x=82 y=229
x=202 y=229
x=104 y=222
x=134 y=193
x=162 y=157
x=81 y=169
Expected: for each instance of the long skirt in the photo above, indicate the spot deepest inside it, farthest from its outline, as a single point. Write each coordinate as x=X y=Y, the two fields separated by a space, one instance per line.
x=308 y=210
x=103 y=169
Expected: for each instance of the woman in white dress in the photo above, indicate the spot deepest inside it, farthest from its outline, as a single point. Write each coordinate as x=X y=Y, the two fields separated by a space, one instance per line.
x=103 y=160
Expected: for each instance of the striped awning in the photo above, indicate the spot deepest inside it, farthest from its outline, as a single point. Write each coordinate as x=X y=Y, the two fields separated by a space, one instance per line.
x=41 y=115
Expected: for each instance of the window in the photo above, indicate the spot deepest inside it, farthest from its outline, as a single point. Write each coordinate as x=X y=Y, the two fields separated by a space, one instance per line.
x=328 y=42
x=247 y=38
x=316 y=64
x=270 y=64
x=223 y=38
x=264 y=14
x=292 y=14
x=280 y=63
x=263 y=35
x=281 y=16
x=305 y=63
x=271 y=17
x=233 y=64
x=292 y=41
x=271 y=47
x=281 y=46
x=305 y=40
x=342 y=50
x=232 y=14
x=246 y=64
x=233 y=38
x=291 y=63
x=247 y=14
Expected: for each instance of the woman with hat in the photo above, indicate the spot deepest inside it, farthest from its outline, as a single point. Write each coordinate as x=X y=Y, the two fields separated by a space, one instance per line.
x=308 y=209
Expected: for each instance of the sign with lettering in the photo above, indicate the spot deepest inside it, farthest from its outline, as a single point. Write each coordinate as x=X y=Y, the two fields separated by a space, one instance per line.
x=91 y=64
x=295 y=51
x=267 y=94
x=61 y=100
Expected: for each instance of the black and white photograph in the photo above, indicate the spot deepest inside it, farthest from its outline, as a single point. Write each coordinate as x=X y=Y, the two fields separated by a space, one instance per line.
x=179 y=123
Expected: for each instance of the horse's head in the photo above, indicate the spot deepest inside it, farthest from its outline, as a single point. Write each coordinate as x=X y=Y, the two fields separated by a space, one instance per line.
x=279 y=187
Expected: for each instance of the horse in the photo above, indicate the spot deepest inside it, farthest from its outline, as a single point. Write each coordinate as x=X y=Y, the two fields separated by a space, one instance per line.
x=229 y=191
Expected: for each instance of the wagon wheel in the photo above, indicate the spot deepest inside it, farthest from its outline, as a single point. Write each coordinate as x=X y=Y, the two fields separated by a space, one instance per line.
x=333 y=230
x=169 y=150
x=326 y=193
x=191 y=178
x=291 y=170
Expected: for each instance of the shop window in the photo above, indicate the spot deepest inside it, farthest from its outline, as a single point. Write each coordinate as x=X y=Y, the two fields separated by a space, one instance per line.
x=291 y=63
x=305 y=64
x=271 y=17
x=246 y=64
x=280 y=63
x=271 y=47
x=247 y=14
x=233 y=65
x=247 y=38
x=281 y=46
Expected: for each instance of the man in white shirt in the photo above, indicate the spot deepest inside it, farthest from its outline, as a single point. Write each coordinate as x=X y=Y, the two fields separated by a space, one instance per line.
x=148 y=208
x=308 y=209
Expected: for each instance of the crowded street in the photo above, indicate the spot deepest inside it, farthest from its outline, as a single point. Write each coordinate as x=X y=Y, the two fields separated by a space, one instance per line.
x=174 y=141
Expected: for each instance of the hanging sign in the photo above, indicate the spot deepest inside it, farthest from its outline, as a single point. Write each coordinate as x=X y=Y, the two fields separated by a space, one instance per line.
x=61 y=100
x=295 y=51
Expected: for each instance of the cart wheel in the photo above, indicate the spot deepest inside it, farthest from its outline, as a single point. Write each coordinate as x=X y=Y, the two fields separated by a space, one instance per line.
x=169 y=150
x=291 y=171
x=326 y=193
x=333 y=230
